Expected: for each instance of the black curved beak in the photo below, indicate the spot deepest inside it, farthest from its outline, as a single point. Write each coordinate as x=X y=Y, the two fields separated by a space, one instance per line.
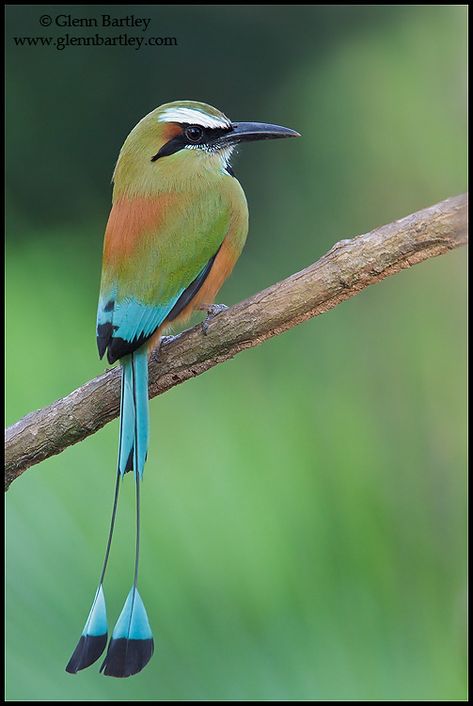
x=246 y=132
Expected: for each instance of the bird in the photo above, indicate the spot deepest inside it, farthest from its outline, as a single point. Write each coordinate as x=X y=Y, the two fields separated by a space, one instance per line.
x=177 y=226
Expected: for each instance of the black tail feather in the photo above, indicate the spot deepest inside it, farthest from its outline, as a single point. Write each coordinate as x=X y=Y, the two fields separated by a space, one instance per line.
x=88 y=650
x=126 y=657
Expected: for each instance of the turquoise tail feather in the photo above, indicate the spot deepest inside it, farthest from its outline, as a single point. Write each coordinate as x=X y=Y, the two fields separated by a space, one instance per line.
x=131 y=645
x=93 y=639
x=129 y=651
x=134 y=415
x=127 y=419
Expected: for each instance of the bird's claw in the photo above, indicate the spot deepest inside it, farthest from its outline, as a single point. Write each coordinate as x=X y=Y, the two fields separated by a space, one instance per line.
x=212 y=311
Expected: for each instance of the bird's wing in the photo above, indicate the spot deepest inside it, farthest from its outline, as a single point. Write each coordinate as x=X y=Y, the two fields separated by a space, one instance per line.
x=156 y=256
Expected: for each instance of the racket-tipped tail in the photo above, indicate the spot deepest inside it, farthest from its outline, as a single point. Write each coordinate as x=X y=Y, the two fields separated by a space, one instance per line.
x=93 y=640
x=132 y=645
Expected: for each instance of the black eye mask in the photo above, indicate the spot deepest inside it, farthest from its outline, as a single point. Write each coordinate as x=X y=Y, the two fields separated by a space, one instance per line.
x=209 y=135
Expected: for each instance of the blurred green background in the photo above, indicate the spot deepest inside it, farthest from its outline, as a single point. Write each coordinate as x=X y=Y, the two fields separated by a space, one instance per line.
x=306 y=539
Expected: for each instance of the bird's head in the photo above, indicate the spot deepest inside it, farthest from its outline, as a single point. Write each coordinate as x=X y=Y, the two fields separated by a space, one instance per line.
x=180 y=141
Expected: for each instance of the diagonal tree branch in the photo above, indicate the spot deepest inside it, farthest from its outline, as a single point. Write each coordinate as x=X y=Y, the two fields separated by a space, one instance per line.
x=349 y=267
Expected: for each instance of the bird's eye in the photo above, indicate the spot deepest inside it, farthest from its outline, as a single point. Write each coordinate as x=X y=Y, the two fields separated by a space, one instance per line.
x=194 y=133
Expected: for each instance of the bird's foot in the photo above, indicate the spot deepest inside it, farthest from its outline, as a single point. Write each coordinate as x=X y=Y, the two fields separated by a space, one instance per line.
x=212 y=311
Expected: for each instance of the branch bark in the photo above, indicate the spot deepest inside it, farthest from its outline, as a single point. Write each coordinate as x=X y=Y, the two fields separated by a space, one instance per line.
x=349 y=267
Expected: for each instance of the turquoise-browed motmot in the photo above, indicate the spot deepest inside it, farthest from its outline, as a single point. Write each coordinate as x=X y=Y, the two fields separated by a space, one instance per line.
x=178 y=224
